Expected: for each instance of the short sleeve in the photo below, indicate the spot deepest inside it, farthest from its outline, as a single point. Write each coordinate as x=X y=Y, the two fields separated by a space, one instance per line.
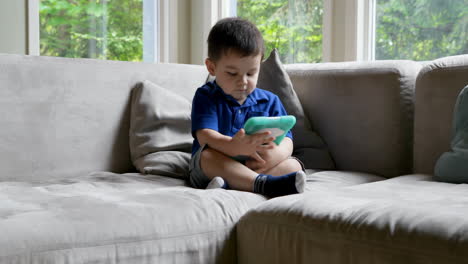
x=204 y=114
x=277 y=109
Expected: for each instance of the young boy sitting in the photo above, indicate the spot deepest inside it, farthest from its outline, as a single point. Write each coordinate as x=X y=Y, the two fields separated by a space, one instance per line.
x=222 y=154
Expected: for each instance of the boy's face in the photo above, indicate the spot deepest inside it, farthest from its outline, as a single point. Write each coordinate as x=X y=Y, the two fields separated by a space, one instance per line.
x=236 y=75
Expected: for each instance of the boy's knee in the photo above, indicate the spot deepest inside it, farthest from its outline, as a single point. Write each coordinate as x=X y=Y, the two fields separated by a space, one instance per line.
x=286 y=166
x=292 y=164
x=206 y=154
x=209 y=154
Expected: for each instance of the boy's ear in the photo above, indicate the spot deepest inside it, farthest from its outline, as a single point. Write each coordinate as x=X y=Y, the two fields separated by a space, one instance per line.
x=210 y=66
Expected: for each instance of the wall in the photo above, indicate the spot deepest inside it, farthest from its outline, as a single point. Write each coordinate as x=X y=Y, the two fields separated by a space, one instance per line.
x=13 y=30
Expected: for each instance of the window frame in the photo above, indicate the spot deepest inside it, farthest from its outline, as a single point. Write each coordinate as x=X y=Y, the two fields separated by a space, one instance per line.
x=348 y=30
x=203 y=16
x=166 y=42
x=33 y=38
x=159 y=20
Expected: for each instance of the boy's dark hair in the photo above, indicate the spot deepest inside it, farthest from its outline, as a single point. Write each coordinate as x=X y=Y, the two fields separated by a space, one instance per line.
x=235 y=34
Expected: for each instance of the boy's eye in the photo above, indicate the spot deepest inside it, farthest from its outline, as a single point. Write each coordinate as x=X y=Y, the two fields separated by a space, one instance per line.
x=232 y=73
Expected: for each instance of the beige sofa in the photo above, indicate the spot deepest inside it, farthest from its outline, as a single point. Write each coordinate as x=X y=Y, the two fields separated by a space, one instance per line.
x=70 y=194
x=405 y=219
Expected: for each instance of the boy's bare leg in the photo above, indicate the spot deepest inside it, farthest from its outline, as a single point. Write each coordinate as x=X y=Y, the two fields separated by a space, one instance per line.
x=215 y=163
x=285 y=167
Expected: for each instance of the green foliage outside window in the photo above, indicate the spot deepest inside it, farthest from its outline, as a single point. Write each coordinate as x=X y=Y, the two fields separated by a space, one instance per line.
x=294 y=27
x=104 y=29
x=421 y=29
x=405 y=29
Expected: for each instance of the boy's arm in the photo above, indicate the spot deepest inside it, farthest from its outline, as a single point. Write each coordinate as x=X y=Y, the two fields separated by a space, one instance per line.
x=239 y=144
x=216 y=141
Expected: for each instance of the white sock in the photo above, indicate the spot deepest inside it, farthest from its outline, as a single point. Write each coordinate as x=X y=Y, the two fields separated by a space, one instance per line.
x=300 y=181
x=215 y=183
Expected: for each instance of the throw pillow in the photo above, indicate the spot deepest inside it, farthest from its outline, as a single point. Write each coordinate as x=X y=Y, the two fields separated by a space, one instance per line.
x=452 y=166
x=308 y=145
x=166 y=163
x=160 y=131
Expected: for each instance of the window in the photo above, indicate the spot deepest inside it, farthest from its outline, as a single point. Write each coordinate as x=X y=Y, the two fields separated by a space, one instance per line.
x=294 y=27
x=360 y=29
x=421 y=29
x=302 y=30
x=101 y=29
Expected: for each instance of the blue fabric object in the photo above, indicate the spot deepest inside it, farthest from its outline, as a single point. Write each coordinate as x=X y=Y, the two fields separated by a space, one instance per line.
x=213 y=109
x=274 y=186
x=452 y=166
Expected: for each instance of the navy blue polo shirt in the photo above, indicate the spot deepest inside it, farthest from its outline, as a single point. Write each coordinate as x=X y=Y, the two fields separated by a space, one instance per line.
x=213 y=109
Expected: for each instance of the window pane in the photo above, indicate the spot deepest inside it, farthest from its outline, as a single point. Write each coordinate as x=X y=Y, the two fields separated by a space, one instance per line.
x=421 y=29
x=294 y=27
x=101 y=29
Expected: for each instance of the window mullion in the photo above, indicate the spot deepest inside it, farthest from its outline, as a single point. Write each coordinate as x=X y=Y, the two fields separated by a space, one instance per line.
x=371 y=29
x=33 y=41
x=150 y=30
x=365 y=30
x=348 y=30
x=327 y=31
x=205 y=13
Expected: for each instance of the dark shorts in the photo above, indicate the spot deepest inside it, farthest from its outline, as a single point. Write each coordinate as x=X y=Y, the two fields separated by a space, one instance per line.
x=196 y=176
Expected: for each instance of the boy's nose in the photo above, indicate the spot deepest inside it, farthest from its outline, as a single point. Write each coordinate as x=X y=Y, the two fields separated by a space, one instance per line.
x=244 y=80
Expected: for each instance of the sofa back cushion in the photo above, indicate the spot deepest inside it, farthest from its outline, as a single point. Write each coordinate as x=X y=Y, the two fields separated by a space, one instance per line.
x=308 y=145
x=362 y=110
x=437 y=87
x=62 y=117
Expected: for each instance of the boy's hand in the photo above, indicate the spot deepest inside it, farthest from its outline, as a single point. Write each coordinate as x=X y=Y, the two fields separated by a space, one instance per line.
x=271 y=156
x=252 y=145
x=268 y=156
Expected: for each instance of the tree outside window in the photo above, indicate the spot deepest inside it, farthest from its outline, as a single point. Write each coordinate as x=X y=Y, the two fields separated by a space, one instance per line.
x=405 y=29
x=294 y=27
x=104 y=29
x=421 y=29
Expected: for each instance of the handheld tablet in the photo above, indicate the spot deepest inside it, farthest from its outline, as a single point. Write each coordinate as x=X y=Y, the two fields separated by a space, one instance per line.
x=278 y=125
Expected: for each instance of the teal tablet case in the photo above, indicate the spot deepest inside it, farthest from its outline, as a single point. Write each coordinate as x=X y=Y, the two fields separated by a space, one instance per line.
x=278 y=125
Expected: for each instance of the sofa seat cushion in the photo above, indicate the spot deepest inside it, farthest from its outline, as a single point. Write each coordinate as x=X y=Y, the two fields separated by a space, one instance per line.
x=408 y=219
x=335 y=179
x=119 y=218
